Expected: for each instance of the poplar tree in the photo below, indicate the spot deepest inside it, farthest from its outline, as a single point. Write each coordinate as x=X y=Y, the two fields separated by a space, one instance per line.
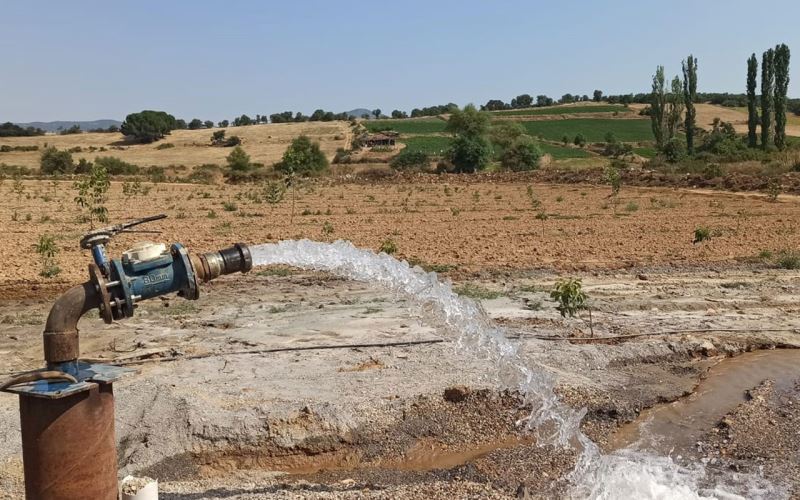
x=689 y=96
x=767 y=98
x=781 y=88
x=752 y=107
x=658 y=103
x=675 y=108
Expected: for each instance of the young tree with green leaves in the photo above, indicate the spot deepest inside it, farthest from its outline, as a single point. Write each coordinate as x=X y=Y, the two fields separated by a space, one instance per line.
x=689 y=96
x=302 y=157
x=767 y=96
x=658 y=104
x=752 y=107
x=674 y=108
x=92 y=191
x=781 y=61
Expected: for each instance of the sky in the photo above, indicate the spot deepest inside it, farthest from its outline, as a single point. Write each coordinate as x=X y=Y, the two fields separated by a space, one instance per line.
x=86 y=60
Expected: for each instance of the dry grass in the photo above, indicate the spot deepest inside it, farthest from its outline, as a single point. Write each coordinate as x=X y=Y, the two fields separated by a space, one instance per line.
x=737 y=116
x=264 y=143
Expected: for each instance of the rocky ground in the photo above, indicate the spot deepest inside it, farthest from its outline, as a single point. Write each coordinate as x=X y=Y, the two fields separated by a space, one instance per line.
x=238 y=396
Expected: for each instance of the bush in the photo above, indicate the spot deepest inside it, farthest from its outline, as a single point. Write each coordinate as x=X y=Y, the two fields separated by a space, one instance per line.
x=523 y=154
x=115 y=166
x=303 y=157
x=408 y=160
x=55 y=162
x=789 y=260
x=579 y=140
x=674 y=150
x=166 y=145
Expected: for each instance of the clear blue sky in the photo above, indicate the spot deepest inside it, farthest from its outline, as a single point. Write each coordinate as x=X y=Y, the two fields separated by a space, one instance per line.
x=81 y=60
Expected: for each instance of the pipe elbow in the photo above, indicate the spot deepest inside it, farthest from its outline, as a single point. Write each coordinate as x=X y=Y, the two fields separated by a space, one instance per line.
x=61 y=330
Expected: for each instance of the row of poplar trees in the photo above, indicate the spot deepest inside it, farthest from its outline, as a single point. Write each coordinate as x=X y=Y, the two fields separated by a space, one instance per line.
x=774 y=85
x=667 y=108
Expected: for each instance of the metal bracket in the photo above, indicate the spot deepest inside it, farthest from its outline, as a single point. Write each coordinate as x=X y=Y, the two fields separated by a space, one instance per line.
x=87 y=374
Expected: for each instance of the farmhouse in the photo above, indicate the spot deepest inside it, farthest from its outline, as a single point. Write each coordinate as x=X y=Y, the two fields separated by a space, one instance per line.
x=380 y=139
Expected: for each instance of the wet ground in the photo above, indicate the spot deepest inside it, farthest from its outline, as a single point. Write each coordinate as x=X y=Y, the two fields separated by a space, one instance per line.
x=284 y=384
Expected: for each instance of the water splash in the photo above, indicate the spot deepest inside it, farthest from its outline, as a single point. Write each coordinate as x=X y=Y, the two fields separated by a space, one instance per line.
x=623 y=474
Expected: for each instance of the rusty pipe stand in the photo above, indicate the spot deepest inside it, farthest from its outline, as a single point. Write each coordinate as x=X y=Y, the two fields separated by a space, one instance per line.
x=69 y=449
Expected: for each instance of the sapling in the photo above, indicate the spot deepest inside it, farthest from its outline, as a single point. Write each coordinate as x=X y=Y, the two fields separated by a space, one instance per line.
x=92 y=192
x=571 y=299
x=47 y=250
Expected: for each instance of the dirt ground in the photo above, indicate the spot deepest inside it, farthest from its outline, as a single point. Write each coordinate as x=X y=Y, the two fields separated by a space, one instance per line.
x=444 y=223
x=212 y=419
x=289 y=384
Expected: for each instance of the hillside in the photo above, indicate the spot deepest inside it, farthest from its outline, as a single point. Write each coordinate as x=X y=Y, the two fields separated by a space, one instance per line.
x=63 y=125
x=264 y=143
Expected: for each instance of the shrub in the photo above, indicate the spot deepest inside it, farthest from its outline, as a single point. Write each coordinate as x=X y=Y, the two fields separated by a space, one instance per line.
x=54 y=161
x=407 y=160
x=229 y=206
x=303 y=157
x=701 y=234
x=115 y=166
x=166 y=145
x=674 y=150
x=579 y=140
x=789 y=260
x=388 y=246
x=522 y=154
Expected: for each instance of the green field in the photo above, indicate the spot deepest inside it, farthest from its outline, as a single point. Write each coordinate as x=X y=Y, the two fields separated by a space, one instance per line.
x=432 y=145
x=428 y=126
x=594 y=130
x=563 y=153
x=645 y=152
x=564 y=110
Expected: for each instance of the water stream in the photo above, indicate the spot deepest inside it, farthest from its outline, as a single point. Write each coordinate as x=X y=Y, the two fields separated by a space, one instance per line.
x=626 y=473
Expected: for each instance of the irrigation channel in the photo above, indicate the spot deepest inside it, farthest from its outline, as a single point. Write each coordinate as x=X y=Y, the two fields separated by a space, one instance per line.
x=629 y=472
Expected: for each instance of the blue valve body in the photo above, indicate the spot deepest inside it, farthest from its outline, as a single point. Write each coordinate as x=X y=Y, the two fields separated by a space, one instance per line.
x=142 y=280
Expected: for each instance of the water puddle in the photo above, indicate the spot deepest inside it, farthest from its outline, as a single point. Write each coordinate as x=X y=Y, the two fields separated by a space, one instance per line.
x=676 y=427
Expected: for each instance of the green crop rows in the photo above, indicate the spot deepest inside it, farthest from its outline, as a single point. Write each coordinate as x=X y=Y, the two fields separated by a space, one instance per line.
x=429 y=126
x=594 y=130
x=563 y=110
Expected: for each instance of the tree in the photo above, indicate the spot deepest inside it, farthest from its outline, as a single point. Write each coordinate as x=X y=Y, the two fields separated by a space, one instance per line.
x=399 y=114
x=92 y=194
x=675 y=107
x=242 y=121
x=597 y=95
x=376 y=113
x=579 y=140
x=180 y=124
x=658 y=103
x=238 y=160
x=567 y=98
x=468 y=121
x=302 y=157
x=767 y=98
x=148 y=126
x=470 y=153
x=752 y=107
x=522 y=101
x=195 y=124
x=781 y=87
x=495 y=105
x=543 y=100
x=208 y=124
x=317 y=115
x=523 y=154
x=689 y=96
x=504 y=133
x=218 y=137
x=55 y=162
x=223 y=123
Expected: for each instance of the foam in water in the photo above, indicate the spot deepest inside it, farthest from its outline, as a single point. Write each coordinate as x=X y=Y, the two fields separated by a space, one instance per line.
x=623 y=474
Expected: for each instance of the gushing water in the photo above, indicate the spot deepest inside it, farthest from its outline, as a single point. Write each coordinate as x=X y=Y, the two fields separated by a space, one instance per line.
x=623 y=474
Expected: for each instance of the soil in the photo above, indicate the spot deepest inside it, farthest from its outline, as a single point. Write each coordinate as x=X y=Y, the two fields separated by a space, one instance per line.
x=210 y=419
x=459 y=224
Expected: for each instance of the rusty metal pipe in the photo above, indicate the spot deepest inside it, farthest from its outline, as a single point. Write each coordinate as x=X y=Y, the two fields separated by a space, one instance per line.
x=68 y=446
x=61 y=330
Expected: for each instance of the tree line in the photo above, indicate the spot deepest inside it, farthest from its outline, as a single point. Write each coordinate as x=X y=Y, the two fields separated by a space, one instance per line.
x=773 y=101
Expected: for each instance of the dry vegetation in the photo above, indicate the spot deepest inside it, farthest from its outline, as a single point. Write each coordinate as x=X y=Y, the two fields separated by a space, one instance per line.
x=264 y=143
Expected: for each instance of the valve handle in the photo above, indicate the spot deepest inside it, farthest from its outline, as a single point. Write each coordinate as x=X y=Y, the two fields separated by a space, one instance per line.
x=103 y=235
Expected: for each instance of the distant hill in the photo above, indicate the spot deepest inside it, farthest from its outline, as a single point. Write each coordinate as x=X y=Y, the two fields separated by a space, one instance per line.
x=359 y=112
x=62 y=125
